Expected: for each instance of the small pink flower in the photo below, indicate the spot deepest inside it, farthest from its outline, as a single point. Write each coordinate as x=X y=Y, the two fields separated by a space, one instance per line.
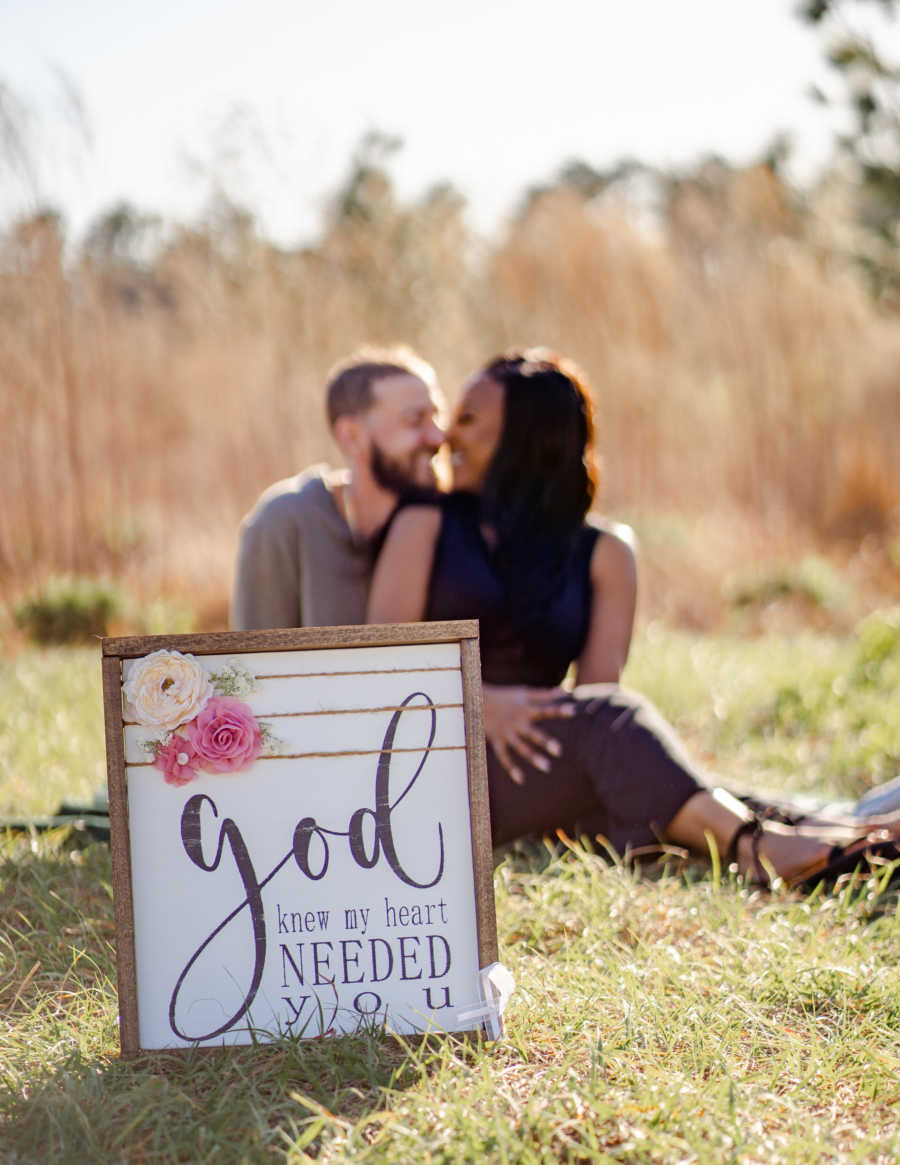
x=224 y=736
x=177 y=761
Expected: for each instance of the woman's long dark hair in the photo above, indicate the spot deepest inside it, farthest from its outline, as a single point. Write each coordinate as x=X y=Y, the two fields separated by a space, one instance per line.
x=542 y=478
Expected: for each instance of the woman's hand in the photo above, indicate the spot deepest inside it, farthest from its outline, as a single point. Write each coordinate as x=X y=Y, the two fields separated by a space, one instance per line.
x=509 y=725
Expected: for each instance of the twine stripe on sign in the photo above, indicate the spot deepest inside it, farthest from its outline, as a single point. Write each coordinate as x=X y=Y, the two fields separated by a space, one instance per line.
x=357 y=711
x=143 y=764
x=367 y=752
x=334 y=712
x=375 y=671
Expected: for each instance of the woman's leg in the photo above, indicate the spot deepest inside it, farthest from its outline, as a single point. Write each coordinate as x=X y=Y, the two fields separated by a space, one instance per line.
x=716 y=816
x=624 y=775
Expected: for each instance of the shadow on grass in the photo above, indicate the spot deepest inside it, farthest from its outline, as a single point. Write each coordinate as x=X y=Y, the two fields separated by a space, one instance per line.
x=66 y=1095
x=244 y=1103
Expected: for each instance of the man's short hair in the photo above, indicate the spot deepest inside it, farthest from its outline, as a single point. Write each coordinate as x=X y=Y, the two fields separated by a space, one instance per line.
x=350 y=382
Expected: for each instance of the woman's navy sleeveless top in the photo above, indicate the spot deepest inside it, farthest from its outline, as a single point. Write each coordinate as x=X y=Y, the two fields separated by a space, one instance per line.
x=521 y=643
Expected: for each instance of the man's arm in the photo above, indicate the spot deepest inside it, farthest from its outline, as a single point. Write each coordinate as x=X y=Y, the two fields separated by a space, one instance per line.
x=267 y=573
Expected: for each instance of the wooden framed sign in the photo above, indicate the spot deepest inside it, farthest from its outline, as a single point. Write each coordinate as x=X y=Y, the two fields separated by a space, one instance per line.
x=300 y=833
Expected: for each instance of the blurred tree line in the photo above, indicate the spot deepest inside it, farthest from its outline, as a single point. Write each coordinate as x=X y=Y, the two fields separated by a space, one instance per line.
x=852 y=212
x=717 y=308
x=867 y=91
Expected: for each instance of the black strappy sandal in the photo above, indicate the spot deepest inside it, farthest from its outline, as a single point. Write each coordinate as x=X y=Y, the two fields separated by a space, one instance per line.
x=865 y=852
x=752 y=828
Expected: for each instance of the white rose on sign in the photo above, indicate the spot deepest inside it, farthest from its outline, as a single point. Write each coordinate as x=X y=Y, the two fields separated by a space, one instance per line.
x=165 y=689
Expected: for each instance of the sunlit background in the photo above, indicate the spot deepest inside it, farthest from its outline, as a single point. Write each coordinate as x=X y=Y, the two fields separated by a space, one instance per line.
x=203 y=205
x=160 y=103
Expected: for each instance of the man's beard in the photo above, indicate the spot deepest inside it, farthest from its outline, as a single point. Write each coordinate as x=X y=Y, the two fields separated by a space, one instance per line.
x=398 y=477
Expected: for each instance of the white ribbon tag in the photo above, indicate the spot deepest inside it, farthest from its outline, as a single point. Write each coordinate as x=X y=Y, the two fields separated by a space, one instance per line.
x=497 y=985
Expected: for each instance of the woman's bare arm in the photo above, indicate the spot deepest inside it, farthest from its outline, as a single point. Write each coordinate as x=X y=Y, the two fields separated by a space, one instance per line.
x=613 y=602
x=399 y=594
x=399 y=590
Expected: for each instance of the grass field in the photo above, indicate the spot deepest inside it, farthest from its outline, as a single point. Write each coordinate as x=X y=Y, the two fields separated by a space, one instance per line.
x=671 y=1017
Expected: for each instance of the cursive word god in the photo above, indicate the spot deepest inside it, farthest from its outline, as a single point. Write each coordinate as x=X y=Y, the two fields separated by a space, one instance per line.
x=312 y=863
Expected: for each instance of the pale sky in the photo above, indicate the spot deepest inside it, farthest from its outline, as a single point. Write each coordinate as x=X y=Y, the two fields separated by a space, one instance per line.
x=494 y=95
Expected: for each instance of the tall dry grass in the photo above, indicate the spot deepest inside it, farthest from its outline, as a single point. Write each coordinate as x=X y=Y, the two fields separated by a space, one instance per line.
x=748 y=391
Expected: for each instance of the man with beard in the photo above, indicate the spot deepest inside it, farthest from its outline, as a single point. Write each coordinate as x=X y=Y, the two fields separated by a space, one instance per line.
x=305 y=551
x=307 y=547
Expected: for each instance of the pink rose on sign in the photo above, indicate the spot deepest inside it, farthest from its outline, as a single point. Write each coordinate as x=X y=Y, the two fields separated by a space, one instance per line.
x=224 y=736
x=177 y=761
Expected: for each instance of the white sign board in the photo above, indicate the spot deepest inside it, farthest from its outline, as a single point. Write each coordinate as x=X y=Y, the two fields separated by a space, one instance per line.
x=300 y=834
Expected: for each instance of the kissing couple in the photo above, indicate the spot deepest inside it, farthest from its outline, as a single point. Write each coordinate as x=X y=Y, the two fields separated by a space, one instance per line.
x=512 y=543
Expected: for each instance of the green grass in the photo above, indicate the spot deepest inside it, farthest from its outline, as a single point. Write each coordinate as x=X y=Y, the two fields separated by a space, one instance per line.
x=667 y=1018
x=51 y=729
x=807 y=712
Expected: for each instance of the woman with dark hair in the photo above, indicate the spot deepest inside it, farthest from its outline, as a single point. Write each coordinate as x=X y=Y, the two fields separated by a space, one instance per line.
x=510 y=546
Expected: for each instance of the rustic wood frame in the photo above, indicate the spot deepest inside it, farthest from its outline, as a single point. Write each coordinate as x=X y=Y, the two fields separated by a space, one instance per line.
x=115 y=651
